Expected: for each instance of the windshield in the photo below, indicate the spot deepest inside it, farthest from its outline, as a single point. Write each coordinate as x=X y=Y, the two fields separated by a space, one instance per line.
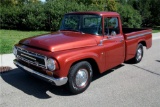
x=82 y=23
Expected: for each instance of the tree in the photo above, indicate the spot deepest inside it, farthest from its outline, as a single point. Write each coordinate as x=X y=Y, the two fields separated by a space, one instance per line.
x=155 y=13
x=34 y=15
x=111 y=5
x=122 y=1
x=17 y=2
x=129 y=16
x=143 y=6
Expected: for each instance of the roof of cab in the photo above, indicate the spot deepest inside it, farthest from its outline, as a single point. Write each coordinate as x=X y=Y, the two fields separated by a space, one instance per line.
x=102 y=13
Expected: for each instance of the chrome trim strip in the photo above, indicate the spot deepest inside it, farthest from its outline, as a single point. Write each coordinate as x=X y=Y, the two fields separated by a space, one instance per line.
x=29 y=53
x=28 y=57
x=139 y=35
x=57 y=81
x=33 y=63
x=109 y=38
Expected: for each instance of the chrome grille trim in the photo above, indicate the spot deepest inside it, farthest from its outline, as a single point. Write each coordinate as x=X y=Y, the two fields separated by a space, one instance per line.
x=36 y=55
x=30 y=53
x=28 y=61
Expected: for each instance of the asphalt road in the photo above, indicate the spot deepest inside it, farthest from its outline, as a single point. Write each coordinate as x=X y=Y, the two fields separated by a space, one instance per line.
x=128 y=85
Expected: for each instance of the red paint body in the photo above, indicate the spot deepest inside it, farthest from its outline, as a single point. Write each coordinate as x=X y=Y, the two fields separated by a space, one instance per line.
x=69 y=47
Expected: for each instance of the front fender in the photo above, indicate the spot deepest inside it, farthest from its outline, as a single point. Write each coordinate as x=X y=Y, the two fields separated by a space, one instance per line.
x=69 y=61
x=68 y=58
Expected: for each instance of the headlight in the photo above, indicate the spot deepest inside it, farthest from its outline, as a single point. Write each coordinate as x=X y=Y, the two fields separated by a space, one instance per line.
x=51 y=64
x=14 y=50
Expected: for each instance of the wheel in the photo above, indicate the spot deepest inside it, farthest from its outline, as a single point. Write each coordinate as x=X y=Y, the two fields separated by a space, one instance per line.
x=139 y=54
x=80 y=76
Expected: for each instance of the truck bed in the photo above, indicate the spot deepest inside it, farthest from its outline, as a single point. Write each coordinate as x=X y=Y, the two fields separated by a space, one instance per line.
x=130 y=30
x=133 y=37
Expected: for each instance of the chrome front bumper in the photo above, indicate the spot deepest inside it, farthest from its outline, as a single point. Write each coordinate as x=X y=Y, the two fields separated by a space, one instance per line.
x=56 y=81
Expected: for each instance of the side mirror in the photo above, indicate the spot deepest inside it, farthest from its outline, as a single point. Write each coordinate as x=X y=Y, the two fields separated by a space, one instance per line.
x=113 y=33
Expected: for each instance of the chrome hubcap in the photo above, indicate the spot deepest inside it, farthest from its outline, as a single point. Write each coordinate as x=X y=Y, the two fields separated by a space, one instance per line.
x=81 y=77
x=139 y=54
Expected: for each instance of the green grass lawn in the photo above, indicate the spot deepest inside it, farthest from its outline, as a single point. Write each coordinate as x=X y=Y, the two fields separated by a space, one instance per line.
x=156 y=29
x=10 y=37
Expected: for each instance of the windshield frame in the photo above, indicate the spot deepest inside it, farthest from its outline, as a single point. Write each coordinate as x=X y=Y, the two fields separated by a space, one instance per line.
x=80 y=23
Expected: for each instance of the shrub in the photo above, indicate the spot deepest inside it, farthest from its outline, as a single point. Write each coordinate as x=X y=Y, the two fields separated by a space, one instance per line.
x=129 y=16
x=48 y=16
x=33 y=17
x=9 y=17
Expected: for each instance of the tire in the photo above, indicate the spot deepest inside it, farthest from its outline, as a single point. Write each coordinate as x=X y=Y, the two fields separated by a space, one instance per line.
x=80 y=77
x=139 y=54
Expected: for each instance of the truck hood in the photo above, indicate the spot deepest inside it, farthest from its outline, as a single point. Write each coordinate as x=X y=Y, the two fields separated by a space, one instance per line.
x=61 y=40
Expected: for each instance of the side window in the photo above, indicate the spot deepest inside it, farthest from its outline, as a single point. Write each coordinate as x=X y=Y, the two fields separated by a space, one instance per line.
x=111 y=26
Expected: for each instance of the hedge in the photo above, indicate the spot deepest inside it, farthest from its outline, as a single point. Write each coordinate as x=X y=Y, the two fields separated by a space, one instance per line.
x=48 y=16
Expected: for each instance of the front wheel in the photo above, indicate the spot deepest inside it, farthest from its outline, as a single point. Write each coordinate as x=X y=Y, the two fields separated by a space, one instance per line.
x=80 y=76
x=139 y=54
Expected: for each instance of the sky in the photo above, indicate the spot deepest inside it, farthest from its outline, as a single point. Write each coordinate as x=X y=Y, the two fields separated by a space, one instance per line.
x=43 y=0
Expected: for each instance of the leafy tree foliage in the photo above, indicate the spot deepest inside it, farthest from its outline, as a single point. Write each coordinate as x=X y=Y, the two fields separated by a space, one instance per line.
x=111 y=5
x=35 y=15
x=155 y=13
x=143 y=6
x=17 y=2
x=129 y=16
x=149 y=11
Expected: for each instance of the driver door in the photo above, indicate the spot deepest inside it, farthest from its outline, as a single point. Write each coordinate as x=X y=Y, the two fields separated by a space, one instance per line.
x=113 y=42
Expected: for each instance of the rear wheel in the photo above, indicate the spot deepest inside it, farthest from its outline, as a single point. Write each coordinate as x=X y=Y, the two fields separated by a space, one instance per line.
x=139 y=54
x=80 y=76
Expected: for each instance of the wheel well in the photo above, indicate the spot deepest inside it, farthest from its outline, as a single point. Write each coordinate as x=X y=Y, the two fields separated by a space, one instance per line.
x=93 y=64
x=143 y=43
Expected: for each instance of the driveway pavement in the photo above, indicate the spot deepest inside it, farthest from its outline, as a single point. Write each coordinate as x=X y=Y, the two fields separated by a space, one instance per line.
x=7 y=60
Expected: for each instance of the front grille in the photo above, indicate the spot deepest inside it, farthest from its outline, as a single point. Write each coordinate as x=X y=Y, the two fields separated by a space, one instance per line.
x=31 y=57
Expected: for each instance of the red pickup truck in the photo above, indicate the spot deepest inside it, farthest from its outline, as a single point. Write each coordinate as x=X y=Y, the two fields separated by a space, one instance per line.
x=86 y=42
